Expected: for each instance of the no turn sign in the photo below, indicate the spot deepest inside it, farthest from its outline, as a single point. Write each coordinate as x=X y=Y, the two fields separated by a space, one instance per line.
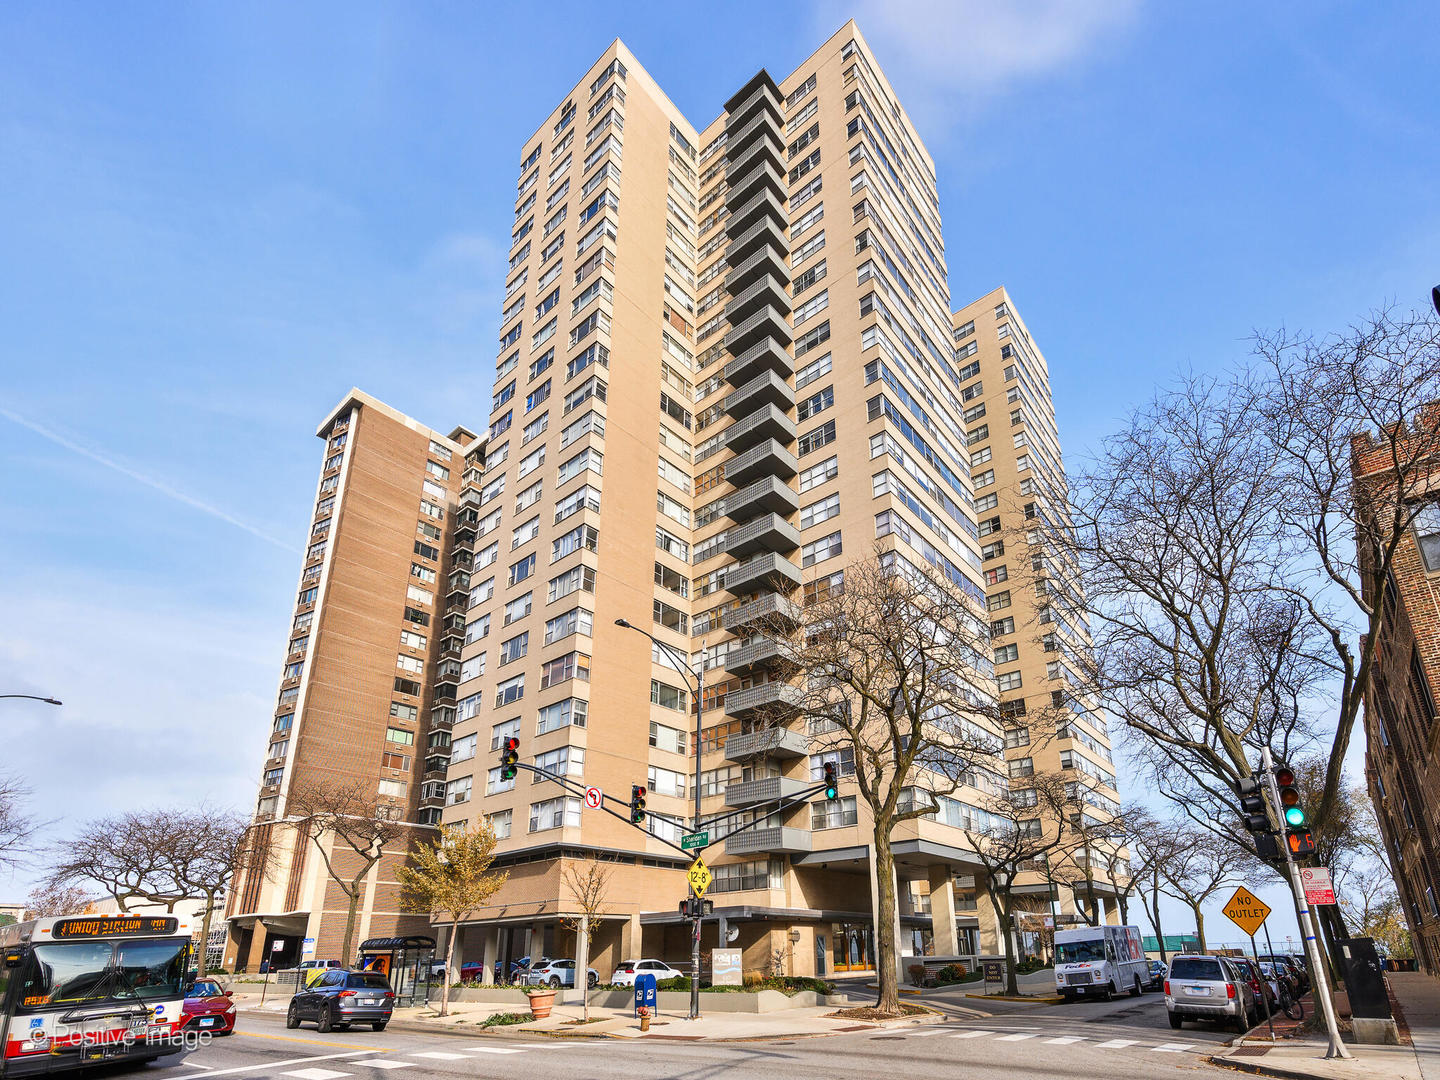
x=594 y=798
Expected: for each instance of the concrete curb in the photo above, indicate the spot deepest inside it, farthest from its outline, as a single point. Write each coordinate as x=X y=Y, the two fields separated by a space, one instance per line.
x=1254 y=1068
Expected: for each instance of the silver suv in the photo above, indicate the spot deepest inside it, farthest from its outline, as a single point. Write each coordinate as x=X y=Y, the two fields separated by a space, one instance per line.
x=1208 y=988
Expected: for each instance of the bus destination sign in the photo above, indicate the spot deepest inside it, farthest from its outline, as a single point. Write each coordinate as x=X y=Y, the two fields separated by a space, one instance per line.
x=126 y=925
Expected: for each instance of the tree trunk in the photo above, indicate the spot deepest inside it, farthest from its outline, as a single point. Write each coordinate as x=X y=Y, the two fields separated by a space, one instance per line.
x=1199 y=926
x=449 y=965
x=1123 y=899
x=886 y=947
x=204 y=937
x=353 y=892
x=582 y=963
x=1154 y=914
x=1012 y=945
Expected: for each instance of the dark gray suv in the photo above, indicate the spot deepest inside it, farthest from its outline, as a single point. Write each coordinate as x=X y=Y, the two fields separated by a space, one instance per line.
x=341 y=998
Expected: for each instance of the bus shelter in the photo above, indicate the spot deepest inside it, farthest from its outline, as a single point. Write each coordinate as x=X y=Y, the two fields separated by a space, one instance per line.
x=405 y=961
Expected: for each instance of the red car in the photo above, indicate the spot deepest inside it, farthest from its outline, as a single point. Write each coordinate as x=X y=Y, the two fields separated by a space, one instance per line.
x=208 y=1008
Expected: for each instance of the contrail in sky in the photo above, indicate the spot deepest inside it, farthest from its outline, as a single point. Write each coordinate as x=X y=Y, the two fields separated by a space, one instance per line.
x=141 y=478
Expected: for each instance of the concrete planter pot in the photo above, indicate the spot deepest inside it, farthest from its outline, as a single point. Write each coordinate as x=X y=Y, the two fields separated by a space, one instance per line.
x=541 y=1003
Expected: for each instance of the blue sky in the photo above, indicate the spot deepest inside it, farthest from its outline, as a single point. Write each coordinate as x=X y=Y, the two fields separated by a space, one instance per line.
x=215 y=219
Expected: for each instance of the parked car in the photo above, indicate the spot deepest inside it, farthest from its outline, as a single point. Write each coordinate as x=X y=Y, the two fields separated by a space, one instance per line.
x=559 y=973
x=1157 y=974
x=1259 y=986
x=519 y=968
x=208 y=1007
x=471 y=970
x=626 y=970
x=340 y=998
x=1282 y=976
x=310 y=969
x=1208 y=988
x=1298 y=968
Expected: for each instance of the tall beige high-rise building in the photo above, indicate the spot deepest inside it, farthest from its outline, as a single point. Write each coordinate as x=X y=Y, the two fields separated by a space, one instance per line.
x=726 y=369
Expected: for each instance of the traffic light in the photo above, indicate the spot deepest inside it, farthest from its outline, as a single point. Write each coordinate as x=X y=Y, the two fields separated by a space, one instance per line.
x=1256 y=818
x=1298 y=836
x=692 y=907
x=510 y=758
x=832 y=786
x=637 y=803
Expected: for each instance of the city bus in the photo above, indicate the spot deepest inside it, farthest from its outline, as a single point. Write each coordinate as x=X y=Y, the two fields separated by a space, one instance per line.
x=87 y=990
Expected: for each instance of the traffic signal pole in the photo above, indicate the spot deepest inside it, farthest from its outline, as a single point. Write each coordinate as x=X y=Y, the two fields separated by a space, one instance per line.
x=1320 y=977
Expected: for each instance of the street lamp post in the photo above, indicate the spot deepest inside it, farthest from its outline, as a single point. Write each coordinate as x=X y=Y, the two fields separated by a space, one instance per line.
x=33 y=697
x=683 y=665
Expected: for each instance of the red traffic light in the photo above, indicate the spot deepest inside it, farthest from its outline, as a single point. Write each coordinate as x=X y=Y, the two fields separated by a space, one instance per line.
x=1284 y=776
x=512 y=744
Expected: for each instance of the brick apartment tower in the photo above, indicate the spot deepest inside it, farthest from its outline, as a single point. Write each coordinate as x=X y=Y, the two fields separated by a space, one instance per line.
x=1402 y=735
x=747 y=328
x=354 y=696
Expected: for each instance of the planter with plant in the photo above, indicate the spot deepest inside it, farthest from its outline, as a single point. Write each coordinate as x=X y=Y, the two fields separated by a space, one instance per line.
x=541 y=1002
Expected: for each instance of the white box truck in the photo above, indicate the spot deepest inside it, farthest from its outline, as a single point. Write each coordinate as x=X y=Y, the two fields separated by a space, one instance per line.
x=1100 y=961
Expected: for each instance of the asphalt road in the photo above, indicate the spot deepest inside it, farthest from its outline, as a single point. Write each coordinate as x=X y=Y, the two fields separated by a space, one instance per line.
x=1127 y=1037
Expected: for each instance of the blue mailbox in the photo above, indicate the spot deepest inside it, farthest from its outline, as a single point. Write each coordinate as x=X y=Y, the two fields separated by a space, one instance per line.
x=645 y=994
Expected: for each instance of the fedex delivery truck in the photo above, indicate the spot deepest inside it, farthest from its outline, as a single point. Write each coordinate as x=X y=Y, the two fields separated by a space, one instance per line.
x=1100 y=961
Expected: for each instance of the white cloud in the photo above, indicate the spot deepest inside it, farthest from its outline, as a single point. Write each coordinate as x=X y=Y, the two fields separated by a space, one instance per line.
x=946 y=53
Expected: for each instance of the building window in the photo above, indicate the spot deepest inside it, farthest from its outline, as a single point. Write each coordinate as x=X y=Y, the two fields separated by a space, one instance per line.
x=1427 y=534
x=554 y=814
x=833 y=813
x=500 y=823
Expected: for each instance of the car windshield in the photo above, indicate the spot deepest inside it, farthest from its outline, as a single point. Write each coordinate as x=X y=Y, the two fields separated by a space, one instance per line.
x=63 y=974
x=1189 y=967
x=367 y=981
x=1080 y=952
x=205 y=988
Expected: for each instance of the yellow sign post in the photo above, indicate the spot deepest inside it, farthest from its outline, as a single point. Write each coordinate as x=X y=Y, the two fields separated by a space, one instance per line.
x=699 y=875
x=1247 y=911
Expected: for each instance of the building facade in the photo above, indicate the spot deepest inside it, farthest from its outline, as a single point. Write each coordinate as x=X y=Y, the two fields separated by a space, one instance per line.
x=1402 y=737
x=726 y=368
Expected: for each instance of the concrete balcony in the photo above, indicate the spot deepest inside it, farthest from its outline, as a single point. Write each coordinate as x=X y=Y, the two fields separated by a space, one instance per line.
x=769 y=494
x=776 y=742
x=761 y=125
x=768 y=571
x=765 y=291
x=778 y=840
x=769 y=789
x=769 y=532
x=771 y=610
x=766 y=653
x=759 y=93
x=767 y=388
x=767 y=459
x=766 y=423
x=766 y=354
x=759 y=151
x=767 y=323
x=762 y=233
x=770 y=700
x=764 y=203
x=765 y=176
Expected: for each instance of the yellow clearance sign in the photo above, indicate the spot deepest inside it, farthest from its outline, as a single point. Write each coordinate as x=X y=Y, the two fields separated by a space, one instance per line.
x=1246 y=910
x=699 y=876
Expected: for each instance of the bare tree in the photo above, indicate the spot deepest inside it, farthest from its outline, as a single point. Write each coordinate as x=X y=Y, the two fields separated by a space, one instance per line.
x=1363 y=401
x=1154 y=845
x=451 y=878
x=1201 y=650
x=589 y=884
x=1197 y=871
x=1019 y=833
x=48 y=900
x=17 y=826
x=890 y=662
x=357 y=823
x=160 y=857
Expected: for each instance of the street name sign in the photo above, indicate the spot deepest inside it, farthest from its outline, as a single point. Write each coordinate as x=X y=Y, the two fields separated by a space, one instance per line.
x=1246 y=910
x=693 y=840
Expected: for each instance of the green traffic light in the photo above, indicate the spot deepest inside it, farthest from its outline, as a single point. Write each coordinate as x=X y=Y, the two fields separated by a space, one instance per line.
x=831 y=792
x=1294 y=816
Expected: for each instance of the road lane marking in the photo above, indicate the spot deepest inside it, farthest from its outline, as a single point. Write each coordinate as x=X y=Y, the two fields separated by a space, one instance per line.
x=552 y=1045
x=439 y=1055
x=1173 y=1048
x=494 y=1050
x=1018 y=1036
x=384 y=1063
x=1114 y=1044
x=1066 y=1040
x=921 y=1034
x=315 y=1074
x=971 y=1034
x=279 y=1064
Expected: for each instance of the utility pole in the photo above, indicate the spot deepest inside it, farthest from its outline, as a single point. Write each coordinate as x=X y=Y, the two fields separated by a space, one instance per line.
x=1319 y=975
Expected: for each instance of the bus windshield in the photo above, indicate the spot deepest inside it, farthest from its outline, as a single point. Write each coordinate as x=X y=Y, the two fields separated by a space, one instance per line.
x=1080 y=952
x=65 y=974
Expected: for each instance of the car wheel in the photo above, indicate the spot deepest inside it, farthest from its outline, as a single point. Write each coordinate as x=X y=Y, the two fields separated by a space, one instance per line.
x=292 y=1016
x=592 y=980
x=1137 y=989
x=325 y=1021
x=1175 y=1021
x=379 y=1025
x=555 y=982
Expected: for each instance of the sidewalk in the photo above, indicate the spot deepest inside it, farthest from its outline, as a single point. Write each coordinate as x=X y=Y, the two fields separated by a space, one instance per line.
x=1302 y=1057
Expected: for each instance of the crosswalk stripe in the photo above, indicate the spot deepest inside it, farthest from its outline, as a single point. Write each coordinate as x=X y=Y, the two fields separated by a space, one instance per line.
x=440 y=1055
x=539 y=1046
x=315 y=1074
x=1066 y=1040
x=494 y=1050
x=1114 y=1044
x=1173 y=1048
x=971 y=1034
x=1017 y=1037
x=921 y=1034
x=386 y=1063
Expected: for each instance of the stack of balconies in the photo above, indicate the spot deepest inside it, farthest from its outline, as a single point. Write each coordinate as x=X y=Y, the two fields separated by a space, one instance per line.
x=763 y=538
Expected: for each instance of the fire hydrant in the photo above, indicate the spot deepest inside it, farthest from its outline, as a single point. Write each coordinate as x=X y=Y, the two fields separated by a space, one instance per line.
x=644 y=1017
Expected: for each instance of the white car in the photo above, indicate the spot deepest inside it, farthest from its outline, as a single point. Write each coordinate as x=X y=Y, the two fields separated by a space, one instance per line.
x=558 y=973
x=626 y=971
